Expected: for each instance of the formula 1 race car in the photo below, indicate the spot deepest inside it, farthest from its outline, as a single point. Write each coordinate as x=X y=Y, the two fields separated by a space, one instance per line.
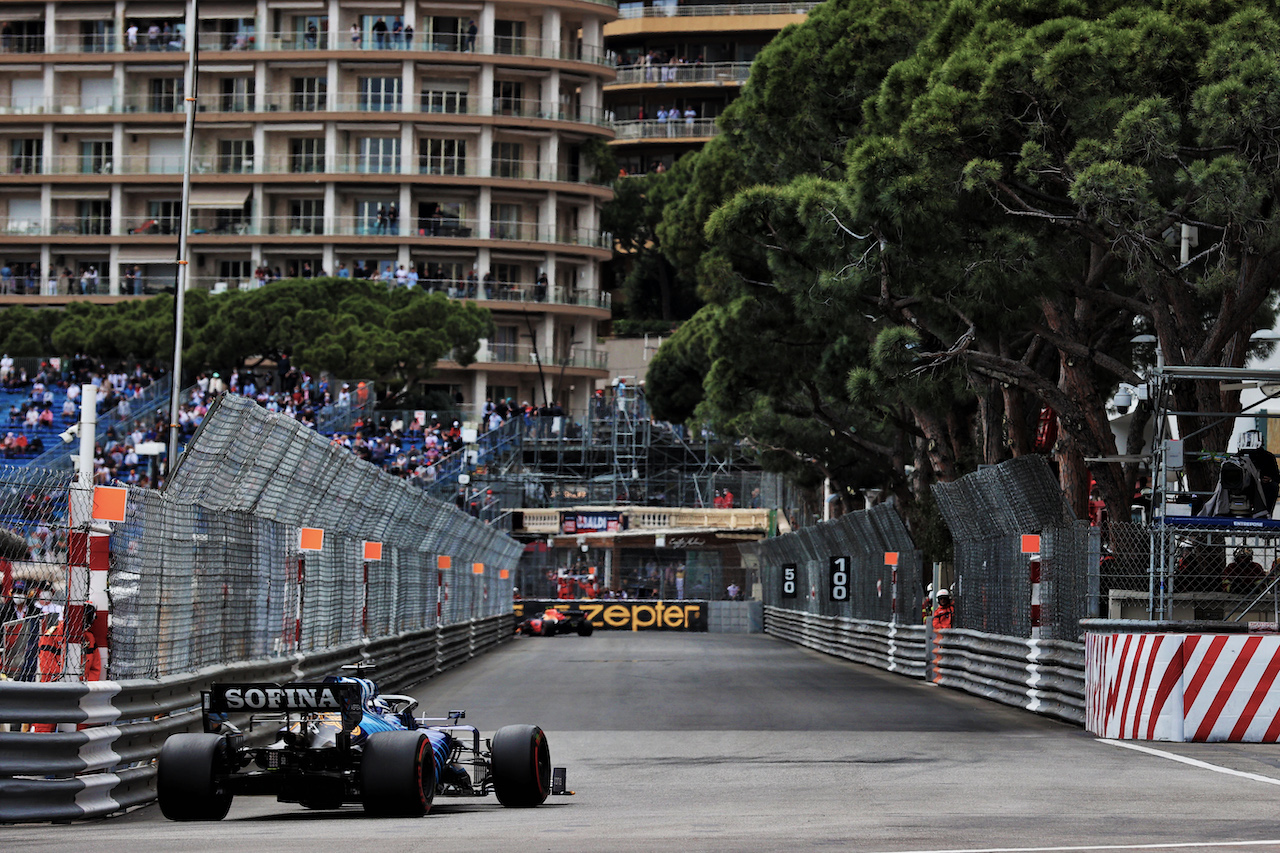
x=551 y=621
x=340 y=741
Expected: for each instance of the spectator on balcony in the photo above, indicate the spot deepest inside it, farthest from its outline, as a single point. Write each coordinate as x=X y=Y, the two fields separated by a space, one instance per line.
x=6 y=36
x=312 y=37
x=397 y=31
x=470 y=42
x=472 y=284
x=411 y=279
x=488 y=285
x=355 y=36
x=6 y=279
x=380 y=34
x=131 y=37
x=662 y=120
x=689 y=115
x=540 y=288
x=408 y=36
x=393 y=219
x=383 y=219
x=153 y=37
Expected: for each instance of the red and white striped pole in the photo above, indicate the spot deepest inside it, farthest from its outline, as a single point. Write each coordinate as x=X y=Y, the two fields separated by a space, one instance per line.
x=443 y=562
x=1031 y=547
x=297 y=613
x=891 y=560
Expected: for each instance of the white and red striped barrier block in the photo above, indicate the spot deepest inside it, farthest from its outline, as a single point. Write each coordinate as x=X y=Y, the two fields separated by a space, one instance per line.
x=1183 y=687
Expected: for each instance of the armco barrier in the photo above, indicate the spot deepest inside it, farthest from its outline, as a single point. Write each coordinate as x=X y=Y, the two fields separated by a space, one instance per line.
x=896 y=648
x=1044 y=676
x=86 y=773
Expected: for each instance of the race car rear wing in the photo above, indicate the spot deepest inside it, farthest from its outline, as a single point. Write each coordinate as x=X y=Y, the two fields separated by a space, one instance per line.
x=275 y=699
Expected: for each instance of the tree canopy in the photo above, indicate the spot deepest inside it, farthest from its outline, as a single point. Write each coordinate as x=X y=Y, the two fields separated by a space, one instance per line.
x=346 y=327
x=971 y=222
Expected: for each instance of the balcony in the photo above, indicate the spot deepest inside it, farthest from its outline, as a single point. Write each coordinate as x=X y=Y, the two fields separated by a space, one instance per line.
x=652 y=130
x=322 y=42
x=523 y=354
x=505 y=292
x=302 y=226
x=289 y=164
x=715 y=74
x=671 y=10
x=70 y=226
x=169 y=104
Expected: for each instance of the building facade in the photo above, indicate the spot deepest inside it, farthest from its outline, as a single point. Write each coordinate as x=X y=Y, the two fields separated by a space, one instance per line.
x=339 y=137
x=680 y=63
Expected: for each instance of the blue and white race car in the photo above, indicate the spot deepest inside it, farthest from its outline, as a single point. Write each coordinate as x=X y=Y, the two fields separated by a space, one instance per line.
x=340 y=741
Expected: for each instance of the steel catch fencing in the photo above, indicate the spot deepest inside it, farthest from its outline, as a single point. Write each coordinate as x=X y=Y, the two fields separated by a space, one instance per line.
x=988 y=512
x=873 y=590
x=212 y=569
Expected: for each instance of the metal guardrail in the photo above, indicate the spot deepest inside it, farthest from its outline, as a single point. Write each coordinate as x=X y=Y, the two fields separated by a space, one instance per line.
x=895 y=648
x=107 y=767
x=1042 y=676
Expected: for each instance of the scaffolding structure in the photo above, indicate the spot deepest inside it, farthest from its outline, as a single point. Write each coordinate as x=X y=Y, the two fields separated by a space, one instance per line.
x=1216 y=567
x=612 y=453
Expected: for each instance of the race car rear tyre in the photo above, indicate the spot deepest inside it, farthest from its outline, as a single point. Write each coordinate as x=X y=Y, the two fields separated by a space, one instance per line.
x=521 y=766
x=398 y=774
x=187 y=777
x=585 y=628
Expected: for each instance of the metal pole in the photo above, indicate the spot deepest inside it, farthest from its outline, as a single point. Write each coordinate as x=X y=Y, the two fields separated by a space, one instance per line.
x=189 y=96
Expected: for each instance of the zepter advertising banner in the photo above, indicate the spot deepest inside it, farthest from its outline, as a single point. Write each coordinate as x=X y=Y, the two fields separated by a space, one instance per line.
x=610 y=614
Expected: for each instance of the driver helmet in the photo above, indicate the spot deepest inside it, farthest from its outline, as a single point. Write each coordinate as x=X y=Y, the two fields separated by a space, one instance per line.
x=368 y=690
x=1243 y=554
x=1250 y=440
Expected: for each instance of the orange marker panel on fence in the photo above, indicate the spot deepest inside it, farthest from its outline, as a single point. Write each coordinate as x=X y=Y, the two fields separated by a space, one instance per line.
x=504 y=574
x=109 y=503
x=311 y=539
x=891 y=558
x=477 y=568
x=444 y=561
x=1031 y=543
x=373 y=551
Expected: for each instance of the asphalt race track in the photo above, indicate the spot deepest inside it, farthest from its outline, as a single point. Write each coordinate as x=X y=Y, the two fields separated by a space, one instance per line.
x=746 y=743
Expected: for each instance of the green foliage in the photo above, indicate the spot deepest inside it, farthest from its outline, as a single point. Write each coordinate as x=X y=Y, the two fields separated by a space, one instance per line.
x=915 y=209
x=348 y=327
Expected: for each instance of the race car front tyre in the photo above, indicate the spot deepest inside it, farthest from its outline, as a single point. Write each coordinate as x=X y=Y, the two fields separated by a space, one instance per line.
x=398 y=774
x=521 y=766
x=187 y=777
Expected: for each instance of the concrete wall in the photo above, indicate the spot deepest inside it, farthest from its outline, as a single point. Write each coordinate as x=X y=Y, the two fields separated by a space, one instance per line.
x=735 y=617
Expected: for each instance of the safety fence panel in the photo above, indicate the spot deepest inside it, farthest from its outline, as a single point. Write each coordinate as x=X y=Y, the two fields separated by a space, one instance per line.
x=214 y=568
x=36 y=585
x=843 y=568
x=1001 y=588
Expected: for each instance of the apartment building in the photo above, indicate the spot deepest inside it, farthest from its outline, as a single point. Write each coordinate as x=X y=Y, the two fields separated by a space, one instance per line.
x=680 y=63
x=331 y=136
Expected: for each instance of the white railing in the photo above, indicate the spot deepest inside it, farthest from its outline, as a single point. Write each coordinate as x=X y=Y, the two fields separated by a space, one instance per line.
x=319 y=41
x=654 y=129
x=681 y=11
x=715 y=72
